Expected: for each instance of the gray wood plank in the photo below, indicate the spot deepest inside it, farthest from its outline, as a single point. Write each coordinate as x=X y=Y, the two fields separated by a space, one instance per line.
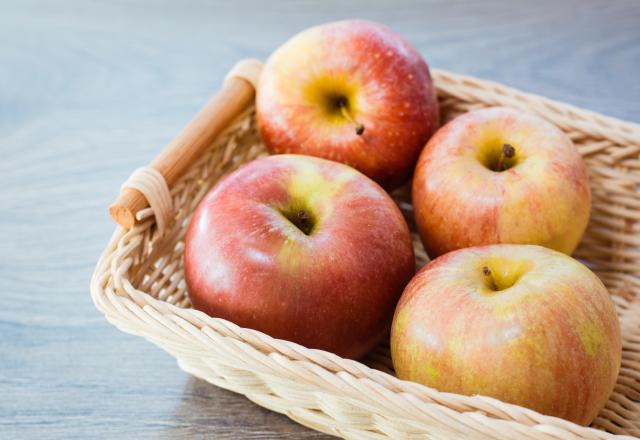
x=89 y=90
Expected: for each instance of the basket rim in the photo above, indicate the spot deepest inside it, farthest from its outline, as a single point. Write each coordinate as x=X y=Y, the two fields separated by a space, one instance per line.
x=630 y=130
x=118 y=309
x=476 y=404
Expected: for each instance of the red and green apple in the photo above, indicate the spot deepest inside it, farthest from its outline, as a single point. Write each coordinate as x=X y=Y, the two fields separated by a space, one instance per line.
x=520 y=323
x=351 y=91
x=500 y=175
x=303 y=249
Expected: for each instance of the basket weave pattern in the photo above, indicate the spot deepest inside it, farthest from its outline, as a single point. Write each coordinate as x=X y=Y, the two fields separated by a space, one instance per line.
x=139 y=285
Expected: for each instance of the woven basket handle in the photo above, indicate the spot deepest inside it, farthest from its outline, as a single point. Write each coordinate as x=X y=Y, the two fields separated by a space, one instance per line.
x=150 y=186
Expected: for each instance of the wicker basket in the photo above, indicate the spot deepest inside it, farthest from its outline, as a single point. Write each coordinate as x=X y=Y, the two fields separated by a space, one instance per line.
x=139 y=285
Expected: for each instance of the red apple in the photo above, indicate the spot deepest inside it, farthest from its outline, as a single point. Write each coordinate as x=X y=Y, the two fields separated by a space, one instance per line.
x=350 y=91
x=499 y=175
x=303 y=249
x=521 y=323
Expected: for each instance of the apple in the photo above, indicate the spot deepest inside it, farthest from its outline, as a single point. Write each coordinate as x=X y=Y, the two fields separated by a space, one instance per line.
x=351 y=91
x=500 y=175
x=303 y=249
x=521 y=323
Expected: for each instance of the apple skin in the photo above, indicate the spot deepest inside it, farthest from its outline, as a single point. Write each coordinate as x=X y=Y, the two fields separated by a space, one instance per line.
x=335 y=289
x=382 y=78
x=550 y=342
x=543 y=199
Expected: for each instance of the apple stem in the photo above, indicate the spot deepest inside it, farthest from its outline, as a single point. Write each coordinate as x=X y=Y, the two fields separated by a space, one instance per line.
x=342 y=105
x=487 y=272
x=304 y=221
x=507 y=153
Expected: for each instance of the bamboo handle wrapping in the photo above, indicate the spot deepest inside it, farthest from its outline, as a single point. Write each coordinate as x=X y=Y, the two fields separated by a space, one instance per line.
x=236 y=94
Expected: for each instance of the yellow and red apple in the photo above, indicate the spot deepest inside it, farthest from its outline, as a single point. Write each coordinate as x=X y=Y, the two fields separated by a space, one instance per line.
x=521 y=323
x=500 y=175
x=350 y=91
x=303 y=249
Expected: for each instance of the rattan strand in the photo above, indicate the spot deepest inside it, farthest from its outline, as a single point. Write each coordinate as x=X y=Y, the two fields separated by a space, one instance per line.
x=139 y=285
x=154 y=188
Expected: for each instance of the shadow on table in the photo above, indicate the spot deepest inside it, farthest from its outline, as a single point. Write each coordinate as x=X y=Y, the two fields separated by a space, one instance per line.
x=206 y=411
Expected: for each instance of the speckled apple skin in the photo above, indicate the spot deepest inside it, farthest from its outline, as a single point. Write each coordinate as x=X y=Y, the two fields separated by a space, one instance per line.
x=545 y=199
x=335 y=289
x=551 y=342
x=387 y=82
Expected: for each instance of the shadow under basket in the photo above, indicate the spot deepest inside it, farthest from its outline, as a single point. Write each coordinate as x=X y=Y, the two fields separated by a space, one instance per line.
x=139 y=285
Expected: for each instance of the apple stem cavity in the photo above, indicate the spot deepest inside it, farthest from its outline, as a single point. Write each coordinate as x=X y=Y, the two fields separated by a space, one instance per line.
x=303 y=219
x=507 y=153
x=304 y=222
x=344 y=109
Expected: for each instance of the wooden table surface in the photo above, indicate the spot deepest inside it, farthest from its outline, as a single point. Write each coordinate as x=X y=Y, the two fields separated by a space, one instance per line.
x=89 y=90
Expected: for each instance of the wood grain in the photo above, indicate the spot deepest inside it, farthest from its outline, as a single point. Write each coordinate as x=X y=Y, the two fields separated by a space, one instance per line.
x=91 y=90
